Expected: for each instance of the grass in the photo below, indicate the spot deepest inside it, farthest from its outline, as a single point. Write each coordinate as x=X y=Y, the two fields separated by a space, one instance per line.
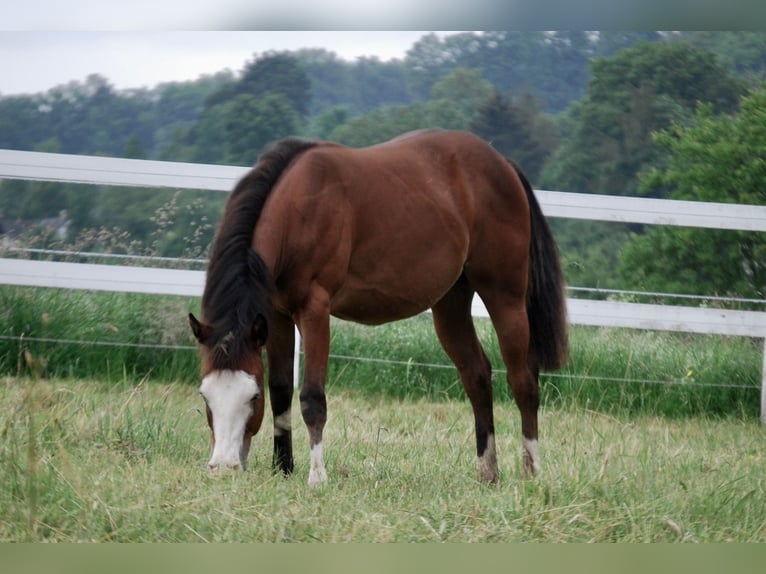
x=645 y=436
x=101 y=335
x=124 y=461
x=116 y=337
x=610 y=370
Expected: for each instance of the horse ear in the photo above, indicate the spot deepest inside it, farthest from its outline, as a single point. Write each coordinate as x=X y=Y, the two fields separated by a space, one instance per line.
x=200 y=330
x=259 y=331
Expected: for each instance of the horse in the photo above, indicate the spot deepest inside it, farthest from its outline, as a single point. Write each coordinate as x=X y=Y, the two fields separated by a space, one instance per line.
x=372 y=235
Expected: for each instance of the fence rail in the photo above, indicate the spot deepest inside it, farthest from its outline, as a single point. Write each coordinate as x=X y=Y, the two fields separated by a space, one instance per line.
x=145 y=173
x=137 y=173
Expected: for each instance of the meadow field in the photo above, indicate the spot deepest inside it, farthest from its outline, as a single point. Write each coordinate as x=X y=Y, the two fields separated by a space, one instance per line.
x=89 y=461
x=645 y=437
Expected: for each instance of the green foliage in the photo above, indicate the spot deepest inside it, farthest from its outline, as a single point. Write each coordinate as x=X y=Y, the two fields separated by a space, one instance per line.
x=630 y=96
x=463 y=87
x=325 y=123
x=236 y=131
x=720 y=159
x=272 y=73
x=244 y=116
x=553 y=65
x=517 y=129
x=740 y=51
x=607 y=142
x=22 y=126
x=133 y=148
x=590 y=250
x=375 y=127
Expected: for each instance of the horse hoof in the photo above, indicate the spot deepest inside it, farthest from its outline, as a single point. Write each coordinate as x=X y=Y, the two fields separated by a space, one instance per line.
x=317 y=479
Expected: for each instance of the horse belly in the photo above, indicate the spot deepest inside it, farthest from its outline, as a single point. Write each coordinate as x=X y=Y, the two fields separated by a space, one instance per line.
x=372 y=307
x=393 y=292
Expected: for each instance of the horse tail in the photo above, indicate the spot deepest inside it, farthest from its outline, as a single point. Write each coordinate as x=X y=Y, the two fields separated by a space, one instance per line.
x=546 y=300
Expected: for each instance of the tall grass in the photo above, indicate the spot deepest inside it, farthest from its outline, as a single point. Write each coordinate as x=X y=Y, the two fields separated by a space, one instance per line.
x=107 y=336
x=124 y=461
x=108 y=442
x=117 y=337
x=612 y=370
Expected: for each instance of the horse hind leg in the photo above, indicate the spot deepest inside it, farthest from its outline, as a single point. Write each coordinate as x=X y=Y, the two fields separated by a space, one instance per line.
x=509 y=317
x=455 y=329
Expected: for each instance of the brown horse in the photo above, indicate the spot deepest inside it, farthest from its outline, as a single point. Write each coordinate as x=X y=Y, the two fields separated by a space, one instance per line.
x=375 y=235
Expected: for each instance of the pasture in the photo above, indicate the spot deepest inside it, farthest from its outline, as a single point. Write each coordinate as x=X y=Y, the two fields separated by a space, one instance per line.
x=644 y=437
x=91 y=461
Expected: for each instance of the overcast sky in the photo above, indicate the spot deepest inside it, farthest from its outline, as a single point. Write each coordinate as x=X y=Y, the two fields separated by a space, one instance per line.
x=34 y=61
x=134 y=43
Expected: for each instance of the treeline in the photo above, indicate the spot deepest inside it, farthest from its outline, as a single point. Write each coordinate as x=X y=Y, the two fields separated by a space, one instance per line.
x=579 y=111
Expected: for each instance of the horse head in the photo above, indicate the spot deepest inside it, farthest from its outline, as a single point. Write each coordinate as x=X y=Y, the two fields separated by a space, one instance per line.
x=232 y=388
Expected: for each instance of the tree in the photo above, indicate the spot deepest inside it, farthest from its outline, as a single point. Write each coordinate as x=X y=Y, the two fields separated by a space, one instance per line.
x=607 y=141
x=377 y=83
x=638 y=91
x=22 y=123
x=609 y=42
x=719 y=159
x=380 y=125
x=325 y=123
x=518 y=130
x=133 y=148
x=331 y=80
x=552 y=65
x=742 y=52
x=273 y=73
x=465 y=88
x=236 y=132
x=427 y=61
x=360 y=86
x=178 y=107
x=253 y=123
x=388 y=122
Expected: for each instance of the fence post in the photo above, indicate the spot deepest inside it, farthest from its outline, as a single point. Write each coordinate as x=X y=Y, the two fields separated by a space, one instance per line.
x=297 y=360
x=763 y=385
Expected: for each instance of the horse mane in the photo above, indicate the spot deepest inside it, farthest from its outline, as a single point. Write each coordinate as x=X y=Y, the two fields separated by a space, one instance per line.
x=238 y=285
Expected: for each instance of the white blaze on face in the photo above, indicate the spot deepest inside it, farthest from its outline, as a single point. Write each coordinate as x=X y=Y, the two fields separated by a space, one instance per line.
x=229 y=396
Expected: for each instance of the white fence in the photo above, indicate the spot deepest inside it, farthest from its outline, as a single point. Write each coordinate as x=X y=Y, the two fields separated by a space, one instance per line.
x=114 y=171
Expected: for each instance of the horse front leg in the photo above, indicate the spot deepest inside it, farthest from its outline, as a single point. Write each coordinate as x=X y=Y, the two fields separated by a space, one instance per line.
x=280 y=349
x=314 y=321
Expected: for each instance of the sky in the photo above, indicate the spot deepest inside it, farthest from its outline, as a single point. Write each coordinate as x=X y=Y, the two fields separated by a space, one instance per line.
x=139 y=43
x=34 y=61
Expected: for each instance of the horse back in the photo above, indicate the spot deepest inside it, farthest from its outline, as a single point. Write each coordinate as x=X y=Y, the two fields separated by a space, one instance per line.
x=389 y=226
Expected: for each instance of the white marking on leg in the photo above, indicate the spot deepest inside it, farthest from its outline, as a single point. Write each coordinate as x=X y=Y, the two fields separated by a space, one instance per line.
x=533 y=452
x=283 y=423
x=317 y=473
x=487 y=462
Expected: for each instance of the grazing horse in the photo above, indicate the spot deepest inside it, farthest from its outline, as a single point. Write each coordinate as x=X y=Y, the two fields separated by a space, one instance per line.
x=373 y=235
